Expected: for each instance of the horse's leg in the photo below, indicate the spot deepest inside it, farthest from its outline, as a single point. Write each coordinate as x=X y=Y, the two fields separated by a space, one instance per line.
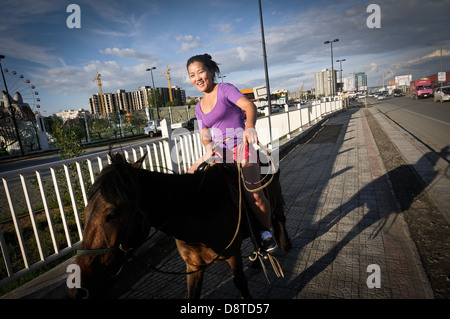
x=239 y=279
x=194 y=281
x=278 y=216
x=279 y=228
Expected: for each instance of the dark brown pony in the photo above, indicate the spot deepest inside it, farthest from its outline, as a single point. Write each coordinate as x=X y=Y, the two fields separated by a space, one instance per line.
x=126 y=201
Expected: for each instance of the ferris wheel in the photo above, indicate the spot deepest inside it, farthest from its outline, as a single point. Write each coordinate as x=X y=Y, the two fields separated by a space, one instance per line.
x=23 y=92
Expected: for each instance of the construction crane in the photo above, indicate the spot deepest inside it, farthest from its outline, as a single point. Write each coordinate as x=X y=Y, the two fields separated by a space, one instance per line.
x=301 y=90
x=101 y=94
x=168 y=80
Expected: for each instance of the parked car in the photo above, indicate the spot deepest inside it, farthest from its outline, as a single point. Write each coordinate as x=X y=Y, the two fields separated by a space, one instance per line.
x=382 y=96
x=261 y=108
x=191 y=123
x=442 y=94
x=275 y=108
x=153 y=127
x=397 y=92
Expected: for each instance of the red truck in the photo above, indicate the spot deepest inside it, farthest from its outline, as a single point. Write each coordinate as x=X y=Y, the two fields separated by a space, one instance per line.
x=422 y=88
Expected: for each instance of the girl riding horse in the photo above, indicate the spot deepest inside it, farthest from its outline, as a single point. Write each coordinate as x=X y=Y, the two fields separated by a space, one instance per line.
x=220 y=117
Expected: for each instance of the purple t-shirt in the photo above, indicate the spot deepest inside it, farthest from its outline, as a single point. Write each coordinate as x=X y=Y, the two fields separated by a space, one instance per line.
x=226 y=119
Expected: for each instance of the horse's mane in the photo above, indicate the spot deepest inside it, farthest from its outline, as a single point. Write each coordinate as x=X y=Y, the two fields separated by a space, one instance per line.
x=116 y=182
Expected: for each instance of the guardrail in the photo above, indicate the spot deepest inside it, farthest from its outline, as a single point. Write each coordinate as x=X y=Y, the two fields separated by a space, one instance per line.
x=43 y=205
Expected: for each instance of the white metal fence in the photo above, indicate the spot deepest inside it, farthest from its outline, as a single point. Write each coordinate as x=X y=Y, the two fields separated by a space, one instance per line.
x=41 y=207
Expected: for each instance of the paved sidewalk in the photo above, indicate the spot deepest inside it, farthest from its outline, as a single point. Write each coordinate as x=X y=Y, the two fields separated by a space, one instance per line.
x=342 y=218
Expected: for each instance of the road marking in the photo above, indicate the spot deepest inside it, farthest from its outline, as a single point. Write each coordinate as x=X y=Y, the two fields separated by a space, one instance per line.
x=428 y=117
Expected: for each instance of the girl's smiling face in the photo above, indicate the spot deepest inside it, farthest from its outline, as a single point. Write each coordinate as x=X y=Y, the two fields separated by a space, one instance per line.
x=201 y=77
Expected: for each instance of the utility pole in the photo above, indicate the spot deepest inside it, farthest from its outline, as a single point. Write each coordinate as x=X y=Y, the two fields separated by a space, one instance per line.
x=333 y=86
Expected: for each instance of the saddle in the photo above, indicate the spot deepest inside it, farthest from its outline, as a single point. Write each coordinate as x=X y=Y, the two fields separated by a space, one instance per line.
x=230 y=172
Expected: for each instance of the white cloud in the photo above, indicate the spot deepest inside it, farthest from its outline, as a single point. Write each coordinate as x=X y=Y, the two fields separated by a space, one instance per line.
x=28 y=52
x=188 y=42
x=79 y=80
x=225 y=27
x=242 y=55
x=130 y=54
x=425 y=58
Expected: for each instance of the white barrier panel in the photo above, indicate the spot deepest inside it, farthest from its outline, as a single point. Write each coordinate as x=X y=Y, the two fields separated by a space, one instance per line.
x=305 y=116
x=281 y=123
x=294 y=120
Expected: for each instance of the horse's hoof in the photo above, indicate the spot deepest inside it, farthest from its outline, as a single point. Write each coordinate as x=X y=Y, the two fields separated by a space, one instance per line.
x=287 y=246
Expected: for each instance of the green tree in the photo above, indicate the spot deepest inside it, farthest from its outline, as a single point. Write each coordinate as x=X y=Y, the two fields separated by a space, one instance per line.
x=68 y=141
x=153 y=97
x=99 y=126
x=138 y=121
x=192 y=102
x=174 y=103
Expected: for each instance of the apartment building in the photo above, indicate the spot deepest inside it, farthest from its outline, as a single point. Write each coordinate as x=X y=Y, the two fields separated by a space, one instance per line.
x=355 y=82
x=325 y=82
x=71 y=114
x=130 y=101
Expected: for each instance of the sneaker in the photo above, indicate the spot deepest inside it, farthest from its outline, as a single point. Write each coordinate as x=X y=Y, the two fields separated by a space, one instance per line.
x=268 y=244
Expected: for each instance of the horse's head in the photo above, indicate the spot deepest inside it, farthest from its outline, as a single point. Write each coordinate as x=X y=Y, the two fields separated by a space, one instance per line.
x=115 y=224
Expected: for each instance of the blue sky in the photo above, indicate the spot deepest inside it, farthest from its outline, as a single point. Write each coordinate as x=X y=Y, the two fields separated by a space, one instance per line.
x=120 y=39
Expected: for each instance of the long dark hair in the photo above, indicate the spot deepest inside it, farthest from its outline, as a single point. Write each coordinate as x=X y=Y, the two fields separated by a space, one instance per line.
x=207 y=61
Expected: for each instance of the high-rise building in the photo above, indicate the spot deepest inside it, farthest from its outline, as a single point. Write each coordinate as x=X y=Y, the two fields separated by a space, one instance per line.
x=361 y=81
x=355 y=82
x=325 y=82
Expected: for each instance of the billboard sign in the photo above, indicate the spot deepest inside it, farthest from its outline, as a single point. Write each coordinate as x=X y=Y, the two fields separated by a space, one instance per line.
x=260 y=92
x=403 y=80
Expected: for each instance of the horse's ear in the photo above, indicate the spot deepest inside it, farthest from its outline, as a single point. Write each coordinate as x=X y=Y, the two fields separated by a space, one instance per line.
x=138 y=163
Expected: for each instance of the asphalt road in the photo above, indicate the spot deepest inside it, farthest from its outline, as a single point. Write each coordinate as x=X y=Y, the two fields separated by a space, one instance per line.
x=428 y=121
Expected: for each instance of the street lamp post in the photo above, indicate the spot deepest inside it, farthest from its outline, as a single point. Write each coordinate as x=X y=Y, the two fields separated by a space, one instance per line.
x=340 y=62
x=222 y=76
x=11 y=109
x=154 y=92
x=266 y=71
x=440 y=48
x=332 y=65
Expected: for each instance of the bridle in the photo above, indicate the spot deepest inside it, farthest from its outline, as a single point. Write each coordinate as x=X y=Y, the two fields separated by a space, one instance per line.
x=121 y=248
